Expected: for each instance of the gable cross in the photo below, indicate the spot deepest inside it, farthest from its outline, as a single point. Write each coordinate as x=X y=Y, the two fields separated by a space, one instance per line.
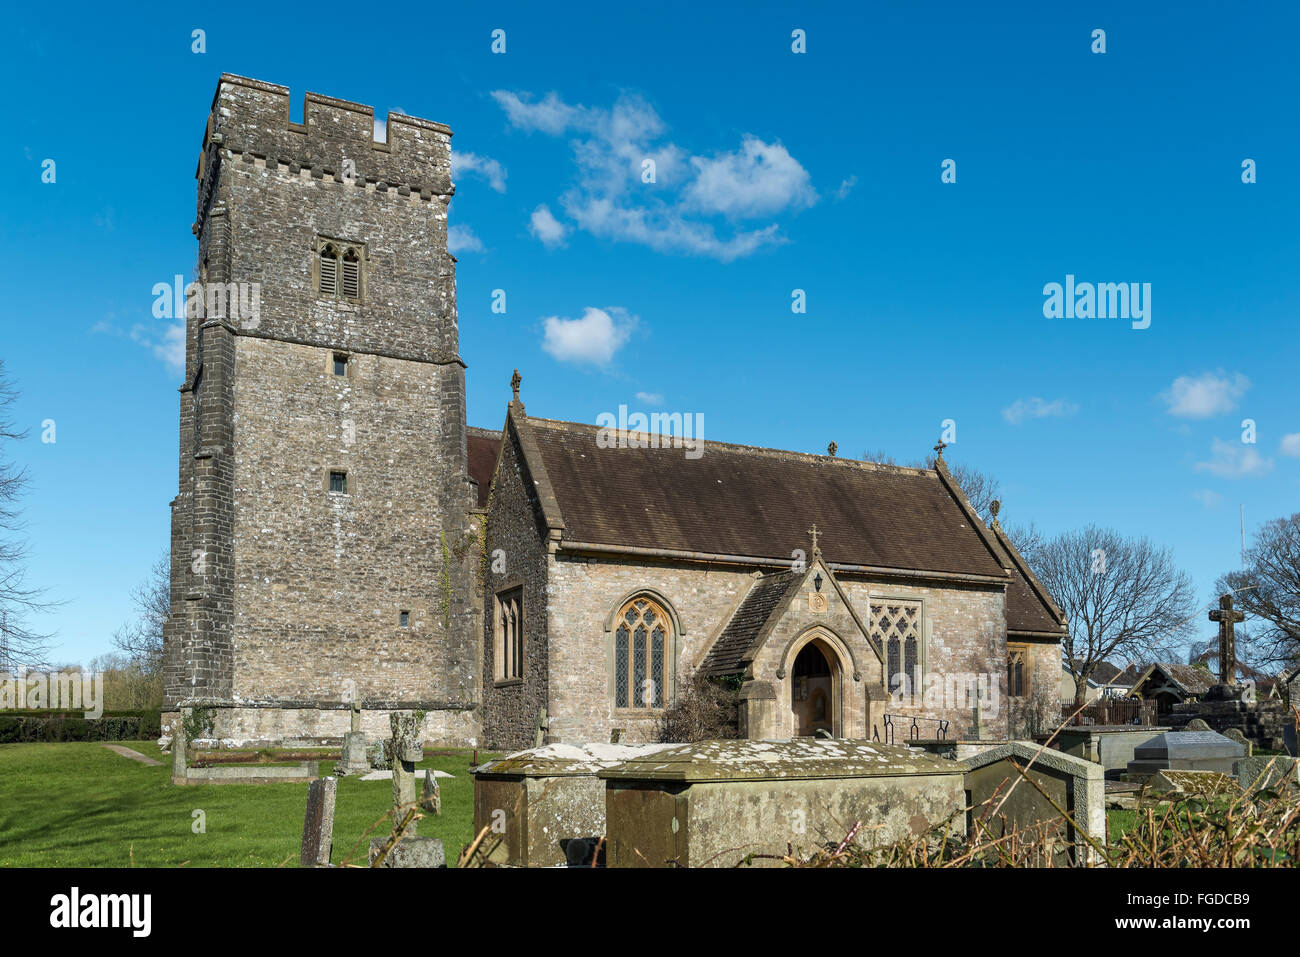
x=514 y=384
x=813 y=532
x=1227 y=617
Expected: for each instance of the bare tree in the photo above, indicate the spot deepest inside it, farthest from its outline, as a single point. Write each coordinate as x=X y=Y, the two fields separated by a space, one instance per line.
x=142 y=640
x=1123 y=597
x=980 y=488
x=20 y=645
x=1267 y=590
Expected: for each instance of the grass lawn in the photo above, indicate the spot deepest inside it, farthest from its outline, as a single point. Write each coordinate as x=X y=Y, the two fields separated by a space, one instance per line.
x=81 y=805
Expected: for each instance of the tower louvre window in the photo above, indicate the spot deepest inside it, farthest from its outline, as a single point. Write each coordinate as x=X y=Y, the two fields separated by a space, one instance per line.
x=329 y=271
x=339 y=482
x=351 y=275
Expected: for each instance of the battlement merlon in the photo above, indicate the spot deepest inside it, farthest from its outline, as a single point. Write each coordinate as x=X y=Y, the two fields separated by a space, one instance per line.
x=252 y=117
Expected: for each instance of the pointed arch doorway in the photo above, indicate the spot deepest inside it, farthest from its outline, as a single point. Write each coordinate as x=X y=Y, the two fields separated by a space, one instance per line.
x=815 y=689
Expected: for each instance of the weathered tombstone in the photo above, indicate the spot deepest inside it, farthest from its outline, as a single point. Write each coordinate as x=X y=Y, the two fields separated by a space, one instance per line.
x=1184 y=751
x=714 y=803
x=539 y=735
x=431 y=798
x=1055 y=780
x=1234 y=734
x=1267 y=771
x=410 y=850
x=318 y=823
x=1197 y=724
x=354 y=759
x=1193 y=783
x=178 y=749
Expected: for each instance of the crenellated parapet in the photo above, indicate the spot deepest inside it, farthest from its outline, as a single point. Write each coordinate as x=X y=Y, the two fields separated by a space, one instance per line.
x=250 y=122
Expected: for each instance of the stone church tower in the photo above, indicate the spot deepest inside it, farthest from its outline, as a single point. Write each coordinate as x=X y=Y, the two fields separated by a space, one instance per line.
x=322 y=532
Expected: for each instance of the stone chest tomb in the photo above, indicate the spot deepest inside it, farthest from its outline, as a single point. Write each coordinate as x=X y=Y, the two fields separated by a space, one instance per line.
x=546 y=806
x=1185 y=751
x=711 y=803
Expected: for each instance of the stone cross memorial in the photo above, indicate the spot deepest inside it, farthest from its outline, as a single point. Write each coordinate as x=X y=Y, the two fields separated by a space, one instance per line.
x=411 y=850
x=354 y=759
x=1227 y=617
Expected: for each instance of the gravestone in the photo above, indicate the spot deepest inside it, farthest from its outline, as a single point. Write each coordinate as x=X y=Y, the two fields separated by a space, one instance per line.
x=1193 y=783
x=1267 y=771
x=1235 y=734
x=1054 y=780
x=431 y=798
x=179 y=771
x=714 y=803
x=354 y=759
x=1184 y=751
x=318 y=823
x=1197 y=724
x=410 y=850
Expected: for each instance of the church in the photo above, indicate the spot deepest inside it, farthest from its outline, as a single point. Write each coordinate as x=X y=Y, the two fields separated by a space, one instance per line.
x=340 y=532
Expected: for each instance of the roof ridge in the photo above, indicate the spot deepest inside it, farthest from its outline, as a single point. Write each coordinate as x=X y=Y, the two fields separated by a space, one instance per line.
x=568 y=426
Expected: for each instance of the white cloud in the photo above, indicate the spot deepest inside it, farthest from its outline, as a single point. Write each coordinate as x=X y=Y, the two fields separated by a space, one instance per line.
x=594 y=338
x=484 y=166
x=381 y=126
x=461 y=239
x=1235 y=460
x=1291 y=445
x=167 y=344
x=1036 y=408
x=846 y=187
x=758 y=179
x=551 y=115
x=543 y=224
x=1207 y=497
x=693 y=203
x=650 y=398
x=1199 y=397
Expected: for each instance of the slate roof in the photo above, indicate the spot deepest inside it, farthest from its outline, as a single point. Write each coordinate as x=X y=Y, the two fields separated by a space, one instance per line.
x=483 y=445
x=727 y=654
x=754 y=502
x=745 y=501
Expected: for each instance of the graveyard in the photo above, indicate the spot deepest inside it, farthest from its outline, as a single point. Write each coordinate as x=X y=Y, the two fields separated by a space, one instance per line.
x=82 y=805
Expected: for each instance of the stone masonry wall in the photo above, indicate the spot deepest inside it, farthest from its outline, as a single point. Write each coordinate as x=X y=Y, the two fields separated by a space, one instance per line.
x=516 y=539
x=296 y=589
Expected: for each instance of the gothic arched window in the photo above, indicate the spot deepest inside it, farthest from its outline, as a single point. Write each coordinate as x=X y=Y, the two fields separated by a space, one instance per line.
x=897 y=626
x=351 y=275
x=641 y=647
x=329 y=271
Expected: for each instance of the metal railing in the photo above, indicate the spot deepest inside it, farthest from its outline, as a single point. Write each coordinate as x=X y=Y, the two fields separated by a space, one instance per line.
x=911 y=725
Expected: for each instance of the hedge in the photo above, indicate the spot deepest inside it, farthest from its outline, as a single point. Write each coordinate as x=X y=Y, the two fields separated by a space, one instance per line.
x=27 y=726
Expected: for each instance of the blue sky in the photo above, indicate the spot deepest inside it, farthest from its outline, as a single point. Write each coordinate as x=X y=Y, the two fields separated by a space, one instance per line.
x=775 y=171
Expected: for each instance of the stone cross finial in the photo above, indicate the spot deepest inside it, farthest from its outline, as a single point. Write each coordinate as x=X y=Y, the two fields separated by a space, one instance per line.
x=1227 y=617
x=832 y=449
x=514 y=384
x=813 y=532
x=938 y=449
